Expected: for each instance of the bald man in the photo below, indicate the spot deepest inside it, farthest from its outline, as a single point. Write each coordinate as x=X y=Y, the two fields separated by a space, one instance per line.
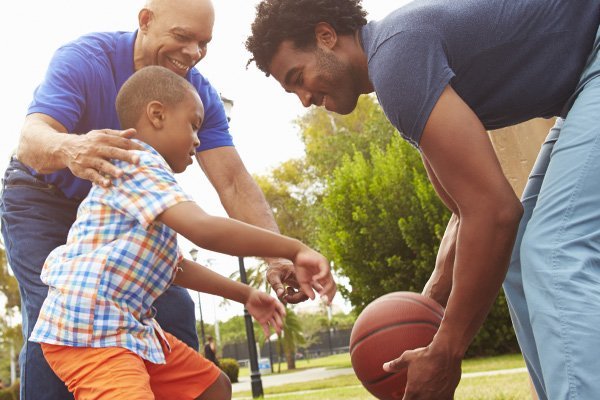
x=71 y=133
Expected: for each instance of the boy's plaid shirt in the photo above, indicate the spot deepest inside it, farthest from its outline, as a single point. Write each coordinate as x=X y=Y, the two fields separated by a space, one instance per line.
x=116 y=262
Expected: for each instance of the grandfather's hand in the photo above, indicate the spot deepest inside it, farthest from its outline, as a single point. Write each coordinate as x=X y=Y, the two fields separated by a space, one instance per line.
x=88 y=156
x=282 y=278
x=431 y=375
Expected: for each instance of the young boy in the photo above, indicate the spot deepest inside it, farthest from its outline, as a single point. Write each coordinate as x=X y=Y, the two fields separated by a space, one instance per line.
x=96 y=327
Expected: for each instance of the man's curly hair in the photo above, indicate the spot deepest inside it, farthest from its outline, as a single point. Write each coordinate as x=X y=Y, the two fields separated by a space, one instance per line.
x=295 y=20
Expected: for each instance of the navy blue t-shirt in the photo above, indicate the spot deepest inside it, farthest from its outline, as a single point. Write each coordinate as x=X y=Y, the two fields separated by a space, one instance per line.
x=509 y=60
x=81 y=86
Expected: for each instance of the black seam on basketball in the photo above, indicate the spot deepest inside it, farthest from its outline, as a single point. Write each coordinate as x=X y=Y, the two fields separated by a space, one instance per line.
x=383 y=378
x=383 y=328
x=417 y=301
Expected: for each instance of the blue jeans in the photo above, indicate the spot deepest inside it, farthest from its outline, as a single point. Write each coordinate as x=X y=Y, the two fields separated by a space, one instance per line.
x=36 y=218
x=553 y=283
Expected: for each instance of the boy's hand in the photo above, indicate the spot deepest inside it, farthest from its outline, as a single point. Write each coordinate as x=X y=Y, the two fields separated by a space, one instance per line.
x=267 y=310
x=313 y=273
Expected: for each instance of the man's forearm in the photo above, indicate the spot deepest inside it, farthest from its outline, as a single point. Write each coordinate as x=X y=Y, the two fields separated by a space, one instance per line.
x=439 y=285
x=247 y=203
x=482 y=256
x=41 y=146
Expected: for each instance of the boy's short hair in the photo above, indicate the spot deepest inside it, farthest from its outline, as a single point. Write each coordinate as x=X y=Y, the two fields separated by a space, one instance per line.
x=151 y=83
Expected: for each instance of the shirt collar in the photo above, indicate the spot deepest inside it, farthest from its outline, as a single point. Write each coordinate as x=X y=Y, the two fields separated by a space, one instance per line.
x=153 y=151
x=124 y=67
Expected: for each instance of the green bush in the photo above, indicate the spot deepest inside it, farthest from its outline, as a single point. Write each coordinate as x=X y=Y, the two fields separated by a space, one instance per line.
x=231 y=367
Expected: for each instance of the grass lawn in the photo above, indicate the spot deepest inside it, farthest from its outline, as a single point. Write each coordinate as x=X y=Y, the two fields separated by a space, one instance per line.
x=496 y=387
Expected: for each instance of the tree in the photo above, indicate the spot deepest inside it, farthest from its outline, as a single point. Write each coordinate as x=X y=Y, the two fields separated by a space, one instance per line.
x=11 y=339
x=292 y=331
x=8 y=284
x=295 y=187
x=290 y=338
x=381 y=222
x=328 y=137
x=361 y=196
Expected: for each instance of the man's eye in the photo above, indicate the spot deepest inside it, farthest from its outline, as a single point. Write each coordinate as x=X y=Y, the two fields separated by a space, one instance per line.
x=181 y=38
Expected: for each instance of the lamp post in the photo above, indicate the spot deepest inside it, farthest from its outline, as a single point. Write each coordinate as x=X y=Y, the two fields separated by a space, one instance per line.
x=255 y=381
x=194 y=254
x=228 y=105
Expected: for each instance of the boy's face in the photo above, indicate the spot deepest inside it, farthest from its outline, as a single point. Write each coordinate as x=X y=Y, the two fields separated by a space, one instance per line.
x=181 y=124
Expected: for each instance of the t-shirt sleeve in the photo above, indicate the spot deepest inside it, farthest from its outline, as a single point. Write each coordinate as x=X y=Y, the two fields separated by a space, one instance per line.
x=214 y=131
x=146 y=190
x=61 y=95
x=409 y=72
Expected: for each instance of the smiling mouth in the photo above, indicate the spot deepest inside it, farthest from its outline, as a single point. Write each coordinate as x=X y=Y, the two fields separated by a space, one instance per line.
x=179 y=65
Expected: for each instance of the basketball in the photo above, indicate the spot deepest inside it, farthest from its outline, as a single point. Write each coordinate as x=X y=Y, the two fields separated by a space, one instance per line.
x=388 y=326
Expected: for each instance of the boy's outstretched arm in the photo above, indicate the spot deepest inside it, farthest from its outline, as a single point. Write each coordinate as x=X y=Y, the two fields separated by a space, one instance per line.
x=264 y=308
x=225 y=235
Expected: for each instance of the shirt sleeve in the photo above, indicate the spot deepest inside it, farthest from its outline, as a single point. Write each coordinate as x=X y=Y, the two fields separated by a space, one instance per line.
x=409 y=72
x=146 y=190
x=215 y=127
x=62 y=93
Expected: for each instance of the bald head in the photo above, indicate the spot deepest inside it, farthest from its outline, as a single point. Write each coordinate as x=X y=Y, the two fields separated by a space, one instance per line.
x=160 y=6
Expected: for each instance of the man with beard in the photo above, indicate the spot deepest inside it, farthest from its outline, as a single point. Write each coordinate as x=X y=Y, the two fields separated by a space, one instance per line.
x=444 y=73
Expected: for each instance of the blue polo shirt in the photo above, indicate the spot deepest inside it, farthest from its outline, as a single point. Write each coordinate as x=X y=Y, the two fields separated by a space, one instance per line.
x=81 y=86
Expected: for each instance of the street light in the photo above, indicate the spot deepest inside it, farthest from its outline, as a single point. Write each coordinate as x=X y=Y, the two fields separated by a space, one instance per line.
x=194 y=254
x=256 y=382
x=228 y=105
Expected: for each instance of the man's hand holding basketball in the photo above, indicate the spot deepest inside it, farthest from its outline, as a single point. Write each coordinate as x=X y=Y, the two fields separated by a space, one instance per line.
x=431 y=375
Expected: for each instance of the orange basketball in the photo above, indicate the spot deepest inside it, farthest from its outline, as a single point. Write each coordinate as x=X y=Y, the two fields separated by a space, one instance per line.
x=387 y=327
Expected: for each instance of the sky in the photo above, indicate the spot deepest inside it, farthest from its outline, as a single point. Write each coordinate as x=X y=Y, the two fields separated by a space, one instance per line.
x=262 y=115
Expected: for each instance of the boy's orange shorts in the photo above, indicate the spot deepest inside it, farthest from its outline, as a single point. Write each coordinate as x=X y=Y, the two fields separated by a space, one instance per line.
x=118 y=373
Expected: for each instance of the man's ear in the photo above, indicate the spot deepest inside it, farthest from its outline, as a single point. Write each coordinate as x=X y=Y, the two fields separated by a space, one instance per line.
x=144 y=18
x=155 y=112
x=325 y=35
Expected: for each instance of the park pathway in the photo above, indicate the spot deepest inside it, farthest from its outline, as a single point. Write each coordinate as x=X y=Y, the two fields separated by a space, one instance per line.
x=313 y=374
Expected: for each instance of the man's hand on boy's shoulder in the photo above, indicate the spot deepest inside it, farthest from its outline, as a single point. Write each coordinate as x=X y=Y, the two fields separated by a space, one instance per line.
x=89 y=156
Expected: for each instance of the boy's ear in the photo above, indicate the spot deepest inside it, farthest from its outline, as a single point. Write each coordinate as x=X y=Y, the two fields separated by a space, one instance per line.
x=155 y=111
x=325 y=35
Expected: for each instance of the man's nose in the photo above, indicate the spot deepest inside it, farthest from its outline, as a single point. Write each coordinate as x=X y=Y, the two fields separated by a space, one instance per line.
x=305 y=97
x=196 y=51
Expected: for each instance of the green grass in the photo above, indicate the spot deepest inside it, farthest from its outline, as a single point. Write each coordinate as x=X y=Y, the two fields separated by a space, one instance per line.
x=334 y=361
x=496 y=387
